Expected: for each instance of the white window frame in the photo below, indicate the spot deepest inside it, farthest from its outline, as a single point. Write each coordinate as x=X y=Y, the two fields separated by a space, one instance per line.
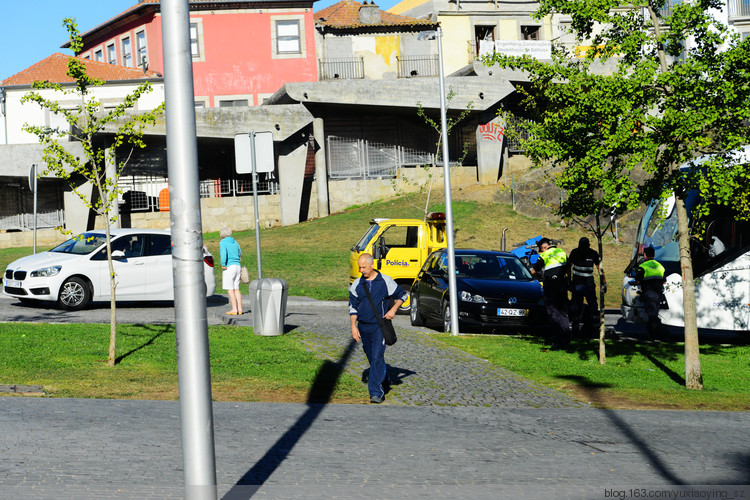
x=99 y=55
x=196 y=39
x=141 y=51
x=286 y=20
x=234 y=97
x=126 y=51
x=127 y=43
x=111 y=53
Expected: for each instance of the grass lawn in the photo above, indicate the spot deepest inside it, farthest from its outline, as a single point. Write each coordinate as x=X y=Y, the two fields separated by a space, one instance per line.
x=636 y=375
x=69 y=360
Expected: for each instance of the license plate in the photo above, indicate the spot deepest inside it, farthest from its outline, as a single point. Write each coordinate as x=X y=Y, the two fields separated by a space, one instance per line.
x=511 y=312
x=13 y=283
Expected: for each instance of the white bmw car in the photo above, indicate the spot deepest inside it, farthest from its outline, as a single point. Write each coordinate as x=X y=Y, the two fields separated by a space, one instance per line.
x=76 y=272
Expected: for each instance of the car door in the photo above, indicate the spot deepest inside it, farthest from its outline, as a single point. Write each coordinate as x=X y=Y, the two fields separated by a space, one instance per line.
x=130 y=269
x=159 y=281
x=433 y=285
x=403 y=251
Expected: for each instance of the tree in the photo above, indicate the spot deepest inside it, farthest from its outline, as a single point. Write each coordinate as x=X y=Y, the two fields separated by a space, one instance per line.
x=661 y=84
x=450 y=123
x=86 y=122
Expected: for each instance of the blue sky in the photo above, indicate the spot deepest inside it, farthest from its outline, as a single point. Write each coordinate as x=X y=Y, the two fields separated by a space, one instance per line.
x=33 y=30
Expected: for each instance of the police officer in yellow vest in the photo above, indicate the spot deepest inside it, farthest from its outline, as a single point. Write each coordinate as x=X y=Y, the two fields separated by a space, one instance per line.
x=650 y=277
x=553 y=267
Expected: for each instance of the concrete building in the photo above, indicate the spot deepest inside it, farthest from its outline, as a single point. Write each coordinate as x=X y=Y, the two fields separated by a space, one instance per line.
x=19 y=150
x=359 y=41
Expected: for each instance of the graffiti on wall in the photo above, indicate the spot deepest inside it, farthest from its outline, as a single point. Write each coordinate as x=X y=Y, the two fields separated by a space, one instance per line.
x=492 y=132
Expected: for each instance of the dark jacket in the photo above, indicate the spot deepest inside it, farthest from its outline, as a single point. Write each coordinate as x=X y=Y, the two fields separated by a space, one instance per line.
x=382 y=289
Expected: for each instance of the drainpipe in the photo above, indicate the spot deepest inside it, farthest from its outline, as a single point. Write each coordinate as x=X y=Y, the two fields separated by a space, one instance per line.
x=2 y=110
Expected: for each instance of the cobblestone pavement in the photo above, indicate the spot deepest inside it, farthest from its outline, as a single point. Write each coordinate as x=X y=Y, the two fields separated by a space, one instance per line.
x=426 y=371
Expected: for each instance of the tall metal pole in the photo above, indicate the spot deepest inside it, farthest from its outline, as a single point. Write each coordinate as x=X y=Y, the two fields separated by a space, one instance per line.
x=255 y=204
x=193 y=362
x=448 y=201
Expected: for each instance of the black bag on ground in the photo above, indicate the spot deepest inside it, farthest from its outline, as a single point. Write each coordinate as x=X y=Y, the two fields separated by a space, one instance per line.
x=386 y=326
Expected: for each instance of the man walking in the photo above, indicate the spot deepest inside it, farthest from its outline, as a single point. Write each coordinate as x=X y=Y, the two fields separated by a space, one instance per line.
x=552 y=265
x=582 y=261
x=364 y=320
x=650 y=277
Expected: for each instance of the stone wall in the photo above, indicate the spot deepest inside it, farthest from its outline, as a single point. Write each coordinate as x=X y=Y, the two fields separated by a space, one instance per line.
x=237 y=212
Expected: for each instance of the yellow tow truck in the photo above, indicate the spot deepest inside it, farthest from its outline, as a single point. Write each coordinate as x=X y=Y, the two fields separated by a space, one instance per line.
x=400 y=247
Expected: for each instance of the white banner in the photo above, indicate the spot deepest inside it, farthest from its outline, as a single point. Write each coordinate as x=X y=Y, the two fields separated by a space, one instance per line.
x=541 y=49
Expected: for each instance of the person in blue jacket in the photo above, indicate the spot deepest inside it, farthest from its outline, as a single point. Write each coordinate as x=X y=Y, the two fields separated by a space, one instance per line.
x=231 y=255
x=365 y=326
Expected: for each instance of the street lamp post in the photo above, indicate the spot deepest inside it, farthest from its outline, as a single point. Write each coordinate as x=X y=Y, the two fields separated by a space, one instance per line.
x=452 y=294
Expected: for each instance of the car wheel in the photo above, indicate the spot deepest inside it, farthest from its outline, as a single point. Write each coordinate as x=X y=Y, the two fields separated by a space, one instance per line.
x=74 y=294
x=447 y=317
x=414 y=314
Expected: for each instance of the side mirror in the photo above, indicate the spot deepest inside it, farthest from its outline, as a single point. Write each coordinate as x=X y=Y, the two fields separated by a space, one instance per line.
x=118 y=254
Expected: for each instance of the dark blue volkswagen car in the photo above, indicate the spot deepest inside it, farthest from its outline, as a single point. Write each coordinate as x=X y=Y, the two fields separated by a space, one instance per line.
x=496 y=292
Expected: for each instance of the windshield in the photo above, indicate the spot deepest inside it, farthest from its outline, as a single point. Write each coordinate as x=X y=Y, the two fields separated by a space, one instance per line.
x=498 y=267
x=365 y=240
x=82 y=244
x=659 y=229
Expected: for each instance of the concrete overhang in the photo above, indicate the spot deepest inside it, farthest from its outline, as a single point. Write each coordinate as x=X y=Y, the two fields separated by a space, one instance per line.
x=16 y=159
x=482 y=92
x=283 y=120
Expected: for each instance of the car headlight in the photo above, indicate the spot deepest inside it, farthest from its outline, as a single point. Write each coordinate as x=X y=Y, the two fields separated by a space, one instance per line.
x=45 y=272
x=467 y=297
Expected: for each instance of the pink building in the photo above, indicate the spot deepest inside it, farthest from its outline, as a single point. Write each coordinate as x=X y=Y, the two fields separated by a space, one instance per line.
x=242 y=51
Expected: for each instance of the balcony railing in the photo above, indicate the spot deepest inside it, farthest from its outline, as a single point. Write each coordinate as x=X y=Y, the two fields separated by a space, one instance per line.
x=416 y=66
x=341 y=69
x=738 y=8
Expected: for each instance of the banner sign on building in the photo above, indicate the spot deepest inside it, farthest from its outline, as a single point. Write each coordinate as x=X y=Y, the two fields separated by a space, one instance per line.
x=538 y=49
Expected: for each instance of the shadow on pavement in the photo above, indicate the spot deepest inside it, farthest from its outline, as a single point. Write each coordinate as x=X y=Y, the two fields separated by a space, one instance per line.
x=659 y=466
x=319 y=395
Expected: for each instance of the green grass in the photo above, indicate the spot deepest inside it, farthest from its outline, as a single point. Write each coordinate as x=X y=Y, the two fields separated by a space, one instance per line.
x=635 y=375
x=69 y=360
x=313 y=258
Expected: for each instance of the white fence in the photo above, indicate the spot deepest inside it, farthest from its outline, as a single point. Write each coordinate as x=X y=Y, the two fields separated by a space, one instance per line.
x=361 y=159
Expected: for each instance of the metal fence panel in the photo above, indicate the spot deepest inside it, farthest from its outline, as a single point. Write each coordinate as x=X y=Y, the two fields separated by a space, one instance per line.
x=416 y=66
x=382 y=160
x=341 y=69
x=344 y=158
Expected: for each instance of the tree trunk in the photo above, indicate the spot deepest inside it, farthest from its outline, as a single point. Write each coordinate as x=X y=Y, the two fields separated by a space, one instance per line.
x=602 y=326
x=112 y=285
x=693 y=376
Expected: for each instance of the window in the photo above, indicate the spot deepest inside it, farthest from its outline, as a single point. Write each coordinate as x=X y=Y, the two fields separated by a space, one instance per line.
x=232 y=102
x=287 y=37
x=87 y=57
x=99 y=55
x=111 y=56
x=196 y=40
x=127 y=53
x=483 y=34
x=140 y=49
x=530 y=33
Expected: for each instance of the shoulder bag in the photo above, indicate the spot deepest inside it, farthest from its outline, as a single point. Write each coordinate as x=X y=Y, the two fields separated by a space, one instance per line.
x=389 y=334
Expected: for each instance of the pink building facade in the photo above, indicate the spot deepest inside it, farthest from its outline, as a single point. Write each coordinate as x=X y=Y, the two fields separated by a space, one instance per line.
x=242 y=51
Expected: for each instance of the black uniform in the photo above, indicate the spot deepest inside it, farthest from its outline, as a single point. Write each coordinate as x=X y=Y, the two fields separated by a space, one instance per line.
x=582 y=264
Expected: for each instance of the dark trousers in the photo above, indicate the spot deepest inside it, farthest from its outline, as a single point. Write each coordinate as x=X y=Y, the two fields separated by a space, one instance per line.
x=556 y=304
x=583 y=289
x=651 y=299
x=374 y=347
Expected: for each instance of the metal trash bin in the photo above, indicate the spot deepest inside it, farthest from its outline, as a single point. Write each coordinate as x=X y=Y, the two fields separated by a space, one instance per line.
x=268 y=298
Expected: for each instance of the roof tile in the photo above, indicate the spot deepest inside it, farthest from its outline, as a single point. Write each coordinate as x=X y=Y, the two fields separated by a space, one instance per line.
x=345 y=14
x=54 y=69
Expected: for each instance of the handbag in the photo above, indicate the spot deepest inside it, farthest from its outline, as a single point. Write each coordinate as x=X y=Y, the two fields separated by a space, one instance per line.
x=386 y=325
x=244 y=275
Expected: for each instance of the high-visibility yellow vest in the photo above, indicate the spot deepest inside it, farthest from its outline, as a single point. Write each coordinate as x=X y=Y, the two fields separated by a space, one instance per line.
x=553 y=257
x=652 y=270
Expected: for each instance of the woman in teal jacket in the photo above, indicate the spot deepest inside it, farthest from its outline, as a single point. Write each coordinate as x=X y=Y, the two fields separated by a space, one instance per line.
x=231 y=255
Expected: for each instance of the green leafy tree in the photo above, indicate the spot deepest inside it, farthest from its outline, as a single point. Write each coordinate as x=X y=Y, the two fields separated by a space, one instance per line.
x=85 y=123
x=661 y=84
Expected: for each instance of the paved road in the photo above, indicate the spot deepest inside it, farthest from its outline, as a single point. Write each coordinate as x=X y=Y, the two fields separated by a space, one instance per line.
x=463 y=429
